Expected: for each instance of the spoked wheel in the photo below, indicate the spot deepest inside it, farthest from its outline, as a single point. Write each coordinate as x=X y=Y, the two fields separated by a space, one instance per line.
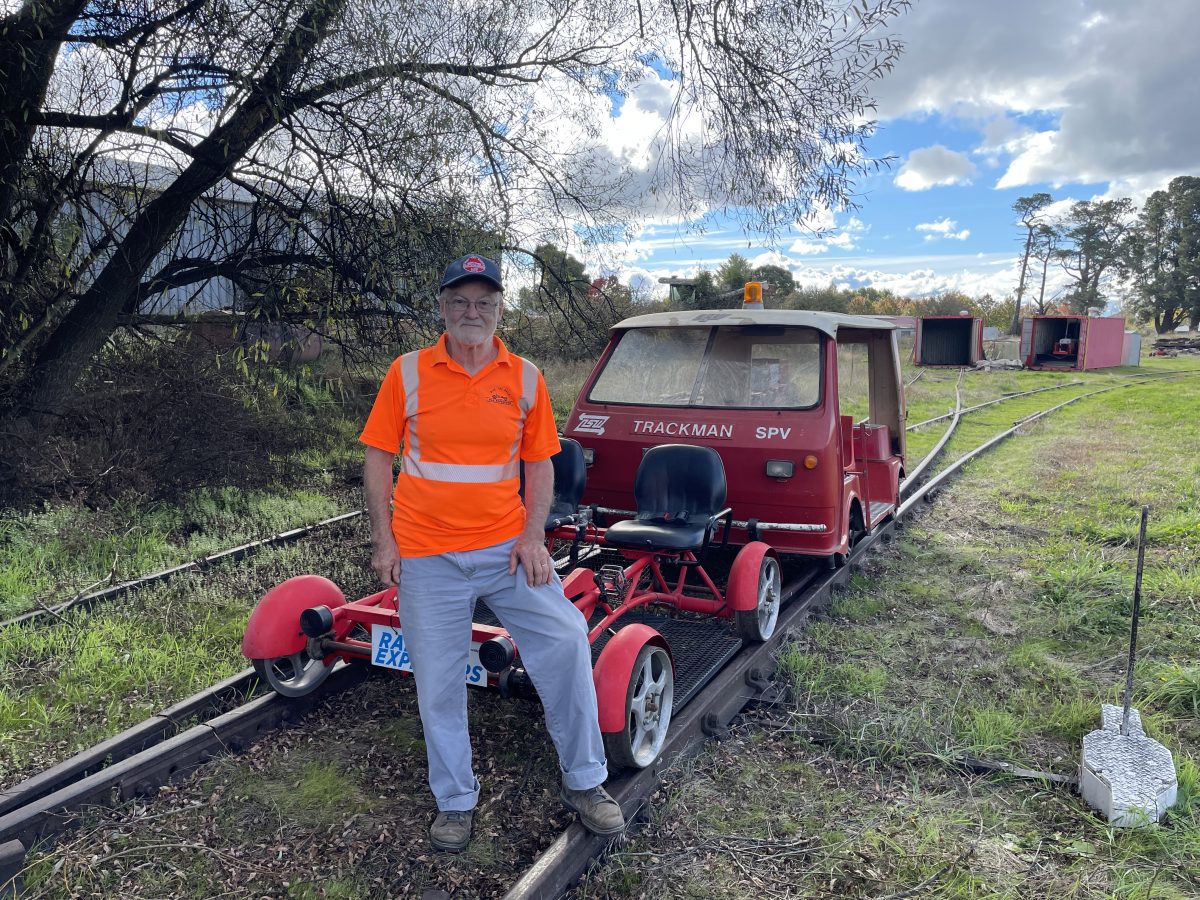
x=758 y=624
x=292 y=676
x=648 y=704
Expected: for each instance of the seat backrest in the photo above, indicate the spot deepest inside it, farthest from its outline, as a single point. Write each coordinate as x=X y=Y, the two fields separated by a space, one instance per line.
x=570 y=476
x=679 y=480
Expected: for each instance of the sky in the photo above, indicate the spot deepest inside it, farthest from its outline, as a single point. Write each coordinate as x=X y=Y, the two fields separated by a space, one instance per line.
x=992 y=100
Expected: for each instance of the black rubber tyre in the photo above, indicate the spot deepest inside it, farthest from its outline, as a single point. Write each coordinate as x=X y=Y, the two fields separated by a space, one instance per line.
x=758 y=624
x=292 y=676
x=648 y=704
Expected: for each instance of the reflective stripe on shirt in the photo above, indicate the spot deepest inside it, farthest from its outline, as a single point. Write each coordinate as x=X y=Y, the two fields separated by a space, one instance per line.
x=411 y=463
x=459 y=473
x=408 y=374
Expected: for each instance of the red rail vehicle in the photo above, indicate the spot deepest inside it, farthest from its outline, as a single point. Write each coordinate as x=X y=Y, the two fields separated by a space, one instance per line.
x=707 y=451
x=806 y=410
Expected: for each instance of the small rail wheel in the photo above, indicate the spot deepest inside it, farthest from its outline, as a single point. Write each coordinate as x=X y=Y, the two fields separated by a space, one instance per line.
x=293 y=676
x=858 y=528
x=758 y=624
x=648 y=704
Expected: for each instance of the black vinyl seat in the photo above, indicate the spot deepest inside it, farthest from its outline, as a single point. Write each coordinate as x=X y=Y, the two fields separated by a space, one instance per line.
x=570 y=478
x=679 y=490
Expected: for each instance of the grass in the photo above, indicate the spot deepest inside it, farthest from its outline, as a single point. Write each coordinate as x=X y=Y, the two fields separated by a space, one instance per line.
x=86 y=676
x=52 y=555
x=994 y=627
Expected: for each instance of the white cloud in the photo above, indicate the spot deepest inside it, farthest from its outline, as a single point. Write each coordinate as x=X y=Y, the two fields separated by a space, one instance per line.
x=1110 y=81
x=934 y=166
x=943 y=228
x=806 y=247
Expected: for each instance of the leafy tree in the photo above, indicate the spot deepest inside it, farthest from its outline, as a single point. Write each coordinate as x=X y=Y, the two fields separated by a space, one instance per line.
x=734 y=273
x=947 y=303
x=782 y=281
x=416 y=121
x=827 y=299
x=1164 y=256
x=992 y=311
x=1029 y=211
x=1045 y=243
x=1092 y=248
x=568 y=314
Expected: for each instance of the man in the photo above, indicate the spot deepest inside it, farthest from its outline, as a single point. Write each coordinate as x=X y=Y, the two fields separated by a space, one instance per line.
x=465 y=412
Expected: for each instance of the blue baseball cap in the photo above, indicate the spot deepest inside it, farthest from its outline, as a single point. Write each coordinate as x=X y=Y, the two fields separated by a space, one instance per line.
x=472 y=266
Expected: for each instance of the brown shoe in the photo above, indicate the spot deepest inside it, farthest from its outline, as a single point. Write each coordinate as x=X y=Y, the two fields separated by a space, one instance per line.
x=599 y=813
x=451 y=830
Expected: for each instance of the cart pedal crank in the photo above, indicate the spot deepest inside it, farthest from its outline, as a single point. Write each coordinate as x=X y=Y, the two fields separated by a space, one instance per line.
x=612 y=583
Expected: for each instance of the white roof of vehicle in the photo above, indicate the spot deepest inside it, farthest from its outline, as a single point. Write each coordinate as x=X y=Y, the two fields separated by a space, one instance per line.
x=802 y=318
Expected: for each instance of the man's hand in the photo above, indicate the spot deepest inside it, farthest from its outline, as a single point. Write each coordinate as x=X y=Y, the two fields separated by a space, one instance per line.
x=530 y=551
x=385 y=560
x=377 y=488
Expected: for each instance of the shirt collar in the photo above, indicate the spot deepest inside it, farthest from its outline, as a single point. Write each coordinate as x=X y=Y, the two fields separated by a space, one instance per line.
x=441 y=355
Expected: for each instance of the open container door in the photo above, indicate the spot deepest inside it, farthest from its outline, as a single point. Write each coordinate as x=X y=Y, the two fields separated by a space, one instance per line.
x=976 y=340
x=1026 y=352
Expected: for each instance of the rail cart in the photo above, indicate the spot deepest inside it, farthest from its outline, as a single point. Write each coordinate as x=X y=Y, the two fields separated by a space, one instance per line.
x=707 y=451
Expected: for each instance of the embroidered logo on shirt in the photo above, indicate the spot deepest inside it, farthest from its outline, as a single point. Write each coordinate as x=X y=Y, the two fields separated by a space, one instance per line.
x=500 y=395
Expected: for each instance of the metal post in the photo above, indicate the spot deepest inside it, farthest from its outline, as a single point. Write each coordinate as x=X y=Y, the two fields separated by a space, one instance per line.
x=1137 y=609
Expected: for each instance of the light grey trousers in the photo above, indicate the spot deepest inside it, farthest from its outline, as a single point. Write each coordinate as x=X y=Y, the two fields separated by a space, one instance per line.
x=437 y=601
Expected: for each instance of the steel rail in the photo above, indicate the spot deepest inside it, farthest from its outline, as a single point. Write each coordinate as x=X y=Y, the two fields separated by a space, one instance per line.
x=912 y=478
x=1053 y=387
x=233 y=554
x=1004 y=399
x=744 y=679
x=941 y=476
x=51 y=802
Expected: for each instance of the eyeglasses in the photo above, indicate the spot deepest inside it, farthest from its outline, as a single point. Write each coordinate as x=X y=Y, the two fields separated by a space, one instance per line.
x=485 y=306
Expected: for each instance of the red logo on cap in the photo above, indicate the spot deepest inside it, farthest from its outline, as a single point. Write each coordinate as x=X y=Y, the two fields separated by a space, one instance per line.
x=473 y=264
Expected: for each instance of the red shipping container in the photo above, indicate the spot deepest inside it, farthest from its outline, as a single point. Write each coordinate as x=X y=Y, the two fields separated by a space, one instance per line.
x=1072 y=342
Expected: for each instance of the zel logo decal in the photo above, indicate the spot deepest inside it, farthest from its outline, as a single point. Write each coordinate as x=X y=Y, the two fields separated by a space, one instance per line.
x=591 y=424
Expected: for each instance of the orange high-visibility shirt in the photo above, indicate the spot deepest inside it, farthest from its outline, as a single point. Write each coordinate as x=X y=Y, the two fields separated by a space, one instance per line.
x=462 y=437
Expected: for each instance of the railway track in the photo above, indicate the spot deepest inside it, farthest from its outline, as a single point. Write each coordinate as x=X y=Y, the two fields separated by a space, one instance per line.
x=233 y=554
x=135 y=763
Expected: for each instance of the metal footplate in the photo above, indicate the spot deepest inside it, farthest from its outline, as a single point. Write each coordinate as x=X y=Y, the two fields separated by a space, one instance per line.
x=699 y=648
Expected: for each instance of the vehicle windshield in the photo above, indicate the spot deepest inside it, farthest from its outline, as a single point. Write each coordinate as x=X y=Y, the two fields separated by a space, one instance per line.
x=730 y=366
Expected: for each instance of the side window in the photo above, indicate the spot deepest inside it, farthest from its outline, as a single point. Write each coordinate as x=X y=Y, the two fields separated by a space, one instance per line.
x=853 y=381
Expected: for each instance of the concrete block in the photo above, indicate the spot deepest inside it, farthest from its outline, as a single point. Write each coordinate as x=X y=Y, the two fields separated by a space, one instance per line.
x=1129 y=779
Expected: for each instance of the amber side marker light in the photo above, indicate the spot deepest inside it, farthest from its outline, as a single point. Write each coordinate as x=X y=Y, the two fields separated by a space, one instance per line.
x=780 y=468
x=810 y=462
